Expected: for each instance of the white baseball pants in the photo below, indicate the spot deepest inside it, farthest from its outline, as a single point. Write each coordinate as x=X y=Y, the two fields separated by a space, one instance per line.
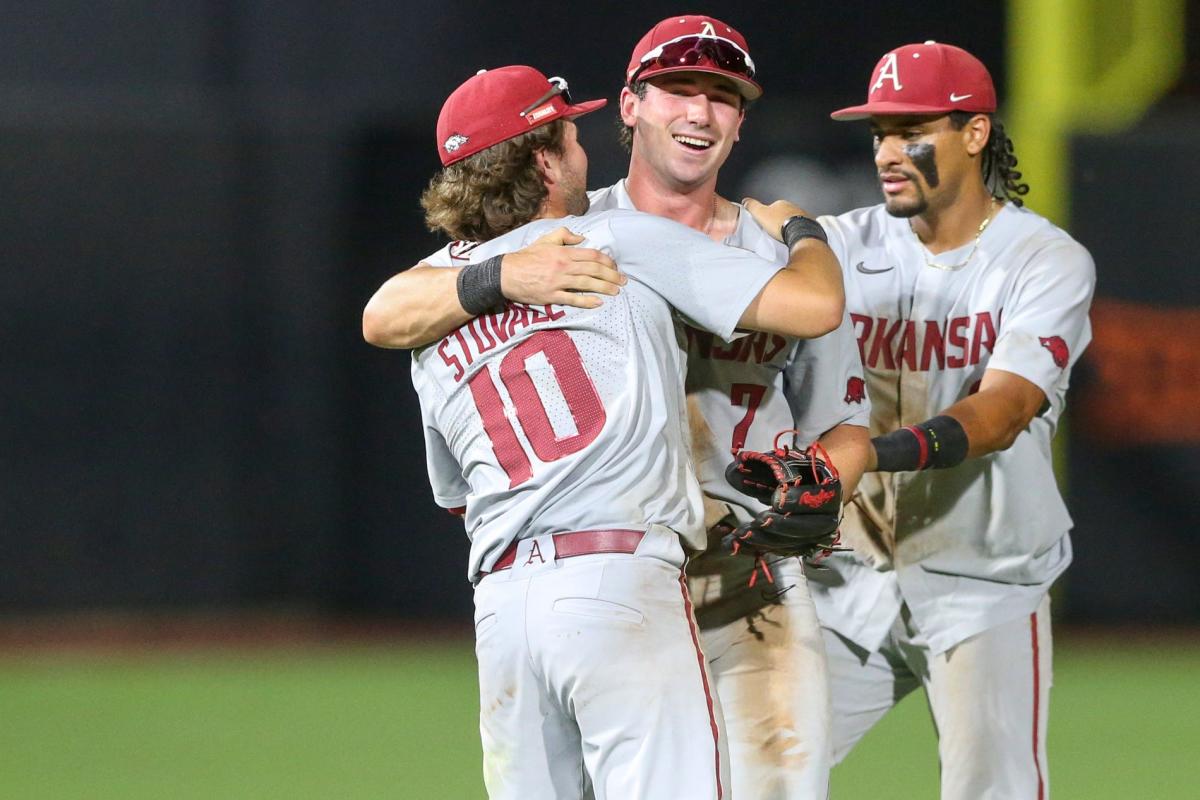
x=989 y=697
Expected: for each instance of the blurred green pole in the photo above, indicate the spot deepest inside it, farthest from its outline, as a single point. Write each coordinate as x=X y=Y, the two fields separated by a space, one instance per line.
x=1082 y=66
x=1076 y=66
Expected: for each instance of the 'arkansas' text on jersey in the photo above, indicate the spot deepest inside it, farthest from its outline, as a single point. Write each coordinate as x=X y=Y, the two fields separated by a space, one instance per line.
x=488 y=331
x=921 y=345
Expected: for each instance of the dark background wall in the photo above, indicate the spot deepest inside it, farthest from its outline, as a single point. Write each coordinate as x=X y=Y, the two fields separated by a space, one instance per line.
x=200 y=196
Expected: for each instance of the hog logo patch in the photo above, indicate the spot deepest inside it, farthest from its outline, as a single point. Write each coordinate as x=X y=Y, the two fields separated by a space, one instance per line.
x=461 y=250
x=1058 y=350
x=455 y=141
x=856 y=391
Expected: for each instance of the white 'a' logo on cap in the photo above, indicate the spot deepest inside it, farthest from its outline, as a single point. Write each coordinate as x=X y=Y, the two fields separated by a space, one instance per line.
x=889 y=71
x=707 y=29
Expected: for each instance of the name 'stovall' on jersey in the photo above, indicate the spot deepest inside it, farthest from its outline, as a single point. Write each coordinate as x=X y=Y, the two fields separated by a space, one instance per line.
x=489 y=331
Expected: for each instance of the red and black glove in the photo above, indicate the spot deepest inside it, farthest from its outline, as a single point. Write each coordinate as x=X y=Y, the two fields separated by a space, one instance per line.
x=804 y=493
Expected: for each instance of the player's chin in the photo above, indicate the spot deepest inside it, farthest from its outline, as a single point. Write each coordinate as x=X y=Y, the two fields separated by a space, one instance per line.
x=901 y=206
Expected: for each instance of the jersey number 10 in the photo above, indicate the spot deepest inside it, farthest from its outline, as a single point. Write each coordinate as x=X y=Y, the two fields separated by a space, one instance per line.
x=582 y=401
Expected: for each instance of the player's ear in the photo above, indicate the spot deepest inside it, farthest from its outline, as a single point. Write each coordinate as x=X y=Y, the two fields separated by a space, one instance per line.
x=976 y=132
x=629 y=103
x=548 y=165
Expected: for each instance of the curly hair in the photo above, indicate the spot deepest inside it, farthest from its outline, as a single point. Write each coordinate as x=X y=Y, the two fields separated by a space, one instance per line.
x=493 y=191
x=999 y=162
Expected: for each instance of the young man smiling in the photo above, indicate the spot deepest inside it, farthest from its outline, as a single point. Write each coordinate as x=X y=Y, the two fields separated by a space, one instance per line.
x=689 y=82
x=969 y=311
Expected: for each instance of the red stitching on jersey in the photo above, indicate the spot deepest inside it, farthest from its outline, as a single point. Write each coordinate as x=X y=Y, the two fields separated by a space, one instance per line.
x=712 y=717
x=1037 y=696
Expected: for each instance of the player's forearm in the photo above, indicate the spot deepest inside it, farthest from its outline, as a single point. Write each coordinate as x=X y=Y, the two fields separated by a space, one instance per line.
x=414 y=308
x=805 y=299
x=991 y=419
x=985 y=422
x=849 y=447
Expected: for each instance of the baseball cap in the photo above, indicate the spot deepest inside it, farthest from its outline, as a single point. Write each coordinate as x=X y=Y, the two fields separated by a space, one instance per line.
x=694 y=43
x=496 y=105
x=928 y=78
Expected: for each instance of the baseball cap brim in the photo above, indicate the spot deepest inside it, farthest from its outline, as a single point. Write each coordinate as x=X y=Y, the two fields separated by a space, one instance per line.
x=747 y=88
x=885 y=108
x=586 y=107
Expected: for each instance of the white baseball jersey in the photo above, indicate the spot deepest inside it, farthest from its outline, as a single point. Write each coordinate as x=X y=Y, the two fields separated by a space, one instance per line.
x=763 y=643
x=753 y=388
x=977 y=545
x=548 y=419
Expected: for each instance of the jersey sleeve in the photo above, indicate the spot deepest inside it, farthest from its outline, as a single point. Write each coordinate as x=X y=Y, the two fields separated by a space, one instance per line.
x=823 y=383
x=1044 y=325
x=709 y=283
x=450 y=488
x=836 y=236
x=442 y=257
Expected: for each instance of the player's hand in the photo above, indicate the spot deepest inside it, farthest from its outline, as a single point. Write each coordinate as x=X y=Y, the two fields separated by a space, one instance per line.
x=552 y=270
x=772 y=217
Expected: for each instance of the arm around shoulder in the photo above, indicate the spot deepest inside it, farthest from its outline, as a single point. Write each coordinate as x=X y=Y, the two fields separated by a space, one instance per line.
x=414 y=308
x=806 y=298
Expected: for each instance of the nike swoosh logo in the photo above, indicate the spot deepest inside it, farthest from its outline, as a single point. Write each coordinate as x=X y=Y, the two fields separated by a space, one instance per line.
x=954 y=98
x=866 y=271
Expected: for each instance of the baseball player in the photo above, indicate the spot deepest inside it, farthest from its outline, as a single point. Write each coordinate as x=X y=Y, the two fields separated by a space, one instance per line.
x=561 y=432
x=688 y=81
x=969 y=312
x=690 y=78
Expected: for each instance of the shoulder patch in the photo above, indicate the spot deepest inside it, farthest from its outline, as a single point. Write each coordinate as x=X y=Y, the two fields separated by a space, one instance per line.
x=461 y=251
x=856 y=390
x=1058 y=350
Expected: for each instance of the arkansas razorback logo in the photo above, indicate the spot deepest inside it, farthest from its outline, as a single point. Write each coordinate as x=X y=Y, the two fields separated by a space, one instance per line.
x=856 y=391
x=1058 y=350
x=461 y=250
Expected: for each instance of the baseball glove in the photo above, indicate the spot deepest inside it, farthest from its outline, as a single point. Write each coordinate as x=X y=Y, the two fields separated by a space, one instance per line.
x=804 y=493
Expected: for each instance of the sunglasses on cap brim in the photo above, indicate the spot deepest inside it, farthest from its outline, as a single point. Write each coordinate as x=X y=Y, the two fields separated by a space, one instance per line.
x=557 y=86
x=691 y=51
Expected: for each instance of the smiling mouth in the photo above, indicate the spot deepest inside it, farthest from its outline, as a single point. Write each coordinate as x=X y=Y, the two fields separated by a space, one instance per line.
x=691 y=142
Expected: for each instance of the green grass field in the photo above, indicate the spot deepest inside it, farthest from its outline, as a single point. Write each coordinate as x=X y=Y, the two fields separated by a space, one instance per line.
x=399 y=722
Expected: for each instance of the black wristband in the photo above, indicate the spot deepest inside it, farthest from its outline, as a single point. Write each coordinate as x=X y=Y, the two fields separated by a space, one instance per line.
x=479 y=287
x=936 y=443
x=801 y=227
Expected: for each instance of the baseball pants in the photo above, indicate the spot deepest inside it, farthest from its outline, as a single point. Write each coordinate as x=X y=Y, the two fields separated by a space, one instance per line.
x=989 y=696
x=771 y=676
x=592 y=683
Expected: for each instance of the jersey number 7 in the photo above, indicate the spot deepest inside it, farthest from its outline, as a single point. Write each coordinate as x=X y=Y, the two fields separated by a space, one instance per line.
x=578 y=392
x=751 y=394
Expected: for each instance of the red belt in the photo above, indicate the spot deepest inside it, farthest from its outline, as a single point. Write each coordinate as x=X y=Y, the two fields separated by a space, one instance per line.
x=580 y=543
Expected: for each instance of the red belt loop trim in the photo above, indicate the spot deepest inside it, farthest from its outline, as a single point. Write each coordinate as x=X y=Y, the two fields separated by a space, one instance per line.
x=580 y=543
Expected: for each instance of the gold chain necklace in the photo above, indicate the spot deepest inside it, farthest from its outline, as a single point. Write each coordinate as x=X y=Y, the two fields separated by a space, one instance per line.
x=951 y=267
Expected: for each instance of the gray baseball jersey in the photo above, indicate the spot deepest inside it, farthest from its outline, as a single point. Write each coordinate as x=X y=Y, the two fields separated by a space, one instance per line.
x=548 y=419
x=759 y=385
x=978 y=545
x=744 y=393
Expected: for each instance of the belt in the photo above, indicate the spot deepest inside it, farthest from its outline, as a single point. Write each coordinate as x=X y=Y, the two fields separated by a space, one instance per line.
x=580 y=543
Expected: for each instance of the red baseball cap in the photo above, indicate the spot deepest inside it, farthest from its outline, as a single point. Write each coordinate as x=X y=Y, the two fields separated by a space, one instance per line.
x=927 y=78
x=496 y=105
x=694 y=44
